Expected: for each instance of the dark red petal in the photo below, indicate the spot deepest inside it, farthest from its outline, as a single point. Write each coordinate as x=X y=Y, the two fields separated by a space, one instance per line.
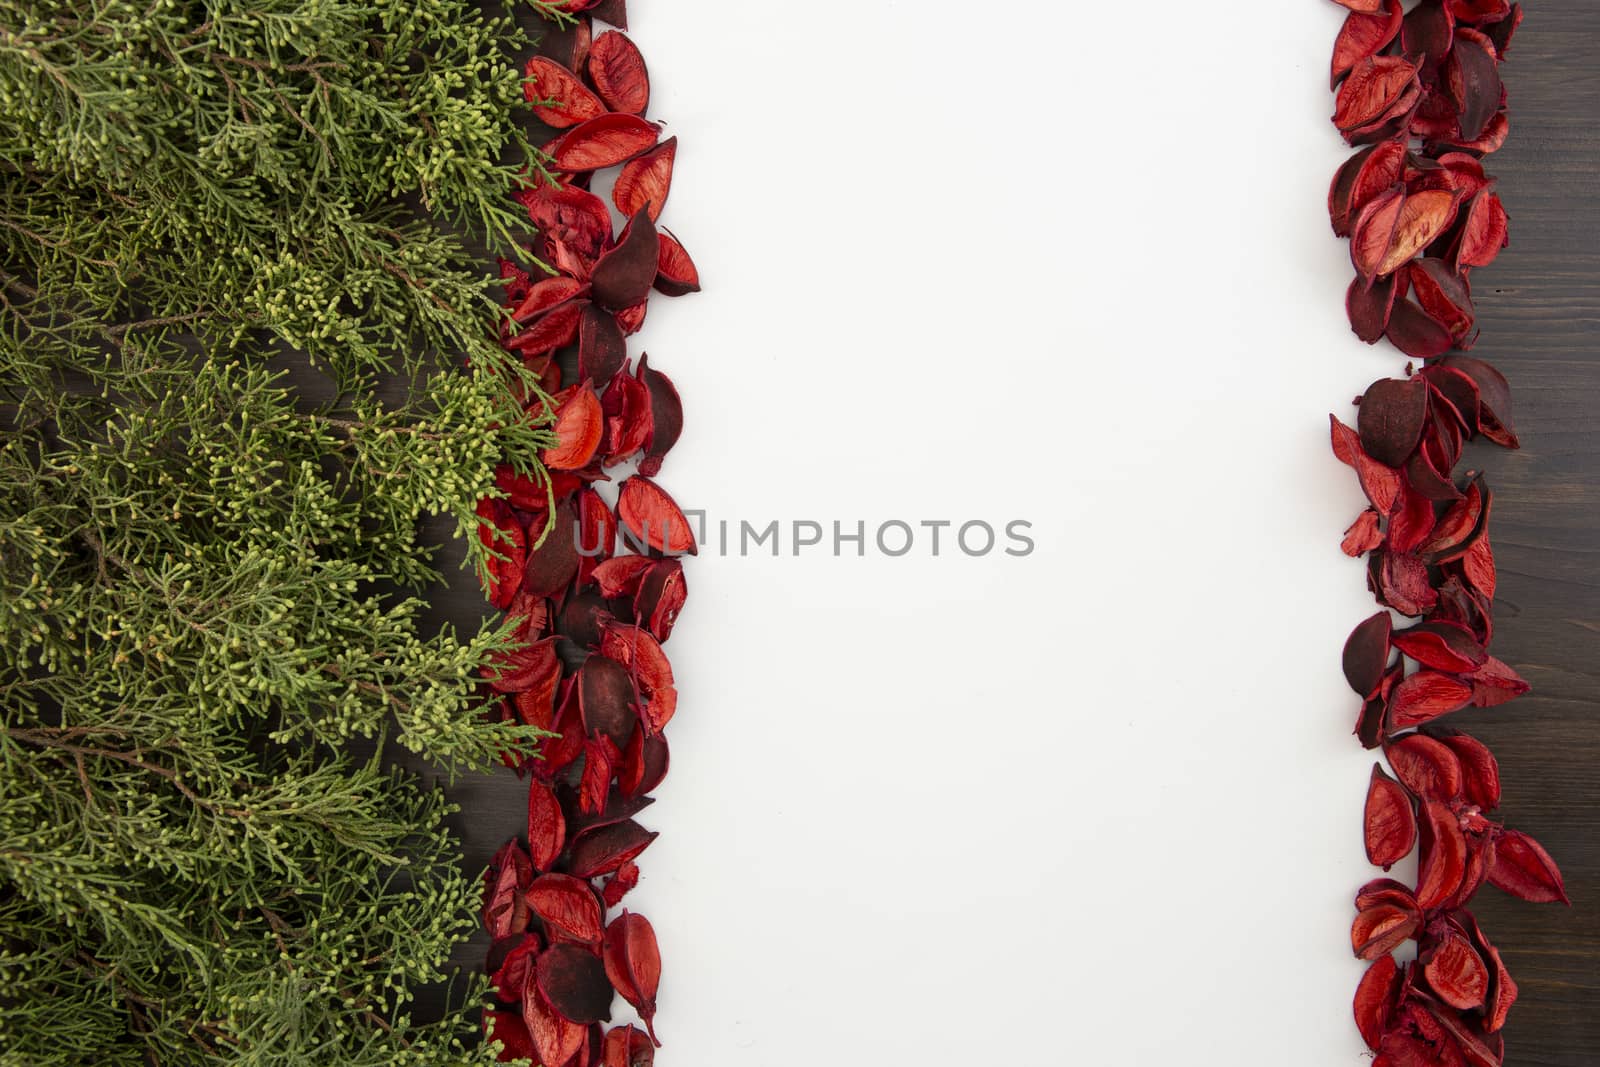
x=573 y=982
x=568 y=908
x=622 y=277
x=1390 y=824
x=1524 y=869
x=646 y=181
x=1366 y=653
x=619 y=73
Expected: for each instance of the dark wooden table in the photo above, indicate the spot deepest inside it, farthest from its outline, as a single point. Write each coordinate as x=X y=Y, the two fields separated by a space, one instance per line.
x=1539 y=308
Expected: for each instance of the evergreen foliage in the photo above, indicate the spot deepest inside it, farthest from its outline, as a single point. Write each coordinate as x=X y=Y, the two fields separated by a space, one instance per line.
x=209 y=569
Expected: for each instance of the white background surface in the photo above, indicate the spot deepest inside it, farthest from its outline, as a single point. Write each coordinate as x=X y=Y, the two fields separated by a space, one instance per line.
x=1061 y=262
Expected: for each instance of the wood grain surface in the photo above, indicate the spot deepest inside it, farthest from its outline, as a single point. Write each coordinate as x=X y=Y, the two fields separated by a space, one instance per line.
x=1539 y=309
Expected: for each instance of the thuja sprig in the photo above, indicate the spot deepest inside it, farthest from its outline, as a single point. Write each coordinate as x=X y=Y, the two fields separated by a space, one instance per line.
x=247 y=350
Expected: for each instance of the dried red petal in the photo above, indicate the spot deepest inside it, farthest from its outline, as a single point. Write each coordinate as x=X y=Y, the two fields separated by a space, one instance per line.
x=1444 y=646
x=502 y=534
x=628 y=426
x=1504 y=30
x=627 y=1047
x=1424 y=697
x=544 y=295
x=1372 y=232
x=1494 y=683
x=1471 y=76
x=604 y=141
x=1443 y=858
x=556 y=1039
x=1426 y=766
x=607 y=698
x=1428 y=30
x=633 y=963
x=1364 y=35
x=620 y=577
x=645 y=764
x=1412 y=521
x=1374 y=1000
x=510 y=979
x=602 y=348
x=1369 y=306
x=1363 y=535
x=1494 y=398
x=619 y=74
x=614 y=12
x=662 y=594
x=579 y=424
x=508 y=1028
x=559 y=98
x=623 y=276
x=1416 y=333
x=676 y=274
x=597 y=533
x=1391 y=417
x=1486 y=232
x=550 y=331
x=573 y=982
x=1401 y=582
x=1457 y=973
x=1480 y=771
x=547 y=826
x=654 y=517
x=1366 y=654
x=620 y=884
x=571 y=215
x=604 y=849
x=1422 y=217
x=646 y=181
x=1380 y=930
x=509 y=873
x=1390 y=825
x=567 y=907
x=1477 y=565
x=666 y=417
x=1380 y=483
x=1445 y=296
x=1502 y=989
x=1374 y=92
x=553 y=565
x=1524 y=869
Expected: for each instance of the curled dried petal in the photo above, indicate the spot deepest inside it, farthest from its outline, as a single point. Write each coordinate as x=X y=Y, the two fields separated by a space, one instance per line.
x=1374 y=1001
x=619 y=73
x=1457 y=973
x=1391 y=417
x=567 y=907
x=1524 y=869
x=622 y=277
x=654 y=517
x=633 y=963
x=646 y=181
x=1366 y=654
x=547 y=826
x=1426 y=696
x=603 y=142
x=559 y=98
x=1443 y=862
x=1426 y=766
x=579 y=424
x=573 y=982
x=1390 y=823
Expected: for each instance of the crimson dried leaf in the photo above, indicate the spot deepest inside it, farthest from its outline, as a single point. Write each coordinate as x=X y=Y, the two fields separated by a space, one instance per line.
x=1390 y=825
x=619 y=74
x=620 y=577
x=1374 y=92
x=1443 y=857
x=1368 y=306
x=1416 y=333
x=662 y=594
x=627 y=1046
x=654 y=517
x=1391 y=417
x=666 y=417
x=1444 y=646
x=1379 y=930
x=622 y=277
x=559 y=98
x=1524 y=869
x=628 y=425
x=1366 y=653
x=1485 y=233
x=1480 y=771
x=552 y=566
x=1363 y=535
x=1445 y=296
x=1374 y=1000
x=676 y=274
x=1426 y=766
x=1472 y=78
x=547 y=826
x=573 y=982
x=544 y=295
x=550 y=331
x=646 y=181
x=579 y=424
x=1457 y=973
x=607 y=699
x=603 y=142
x=602 y=349
x=1494 y=398
x=508 y=1028
x=1363 y=177
x=569 y=214
x=567 y=907
x=556 y=1039
x=605 y=848
x=633 y=963
x=1364 y=35
x=1426 y=696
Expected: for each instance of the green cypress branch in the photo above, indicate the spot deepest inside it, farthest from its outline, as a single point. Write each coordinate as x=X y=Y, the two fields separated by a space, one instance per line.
x=246 y=349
